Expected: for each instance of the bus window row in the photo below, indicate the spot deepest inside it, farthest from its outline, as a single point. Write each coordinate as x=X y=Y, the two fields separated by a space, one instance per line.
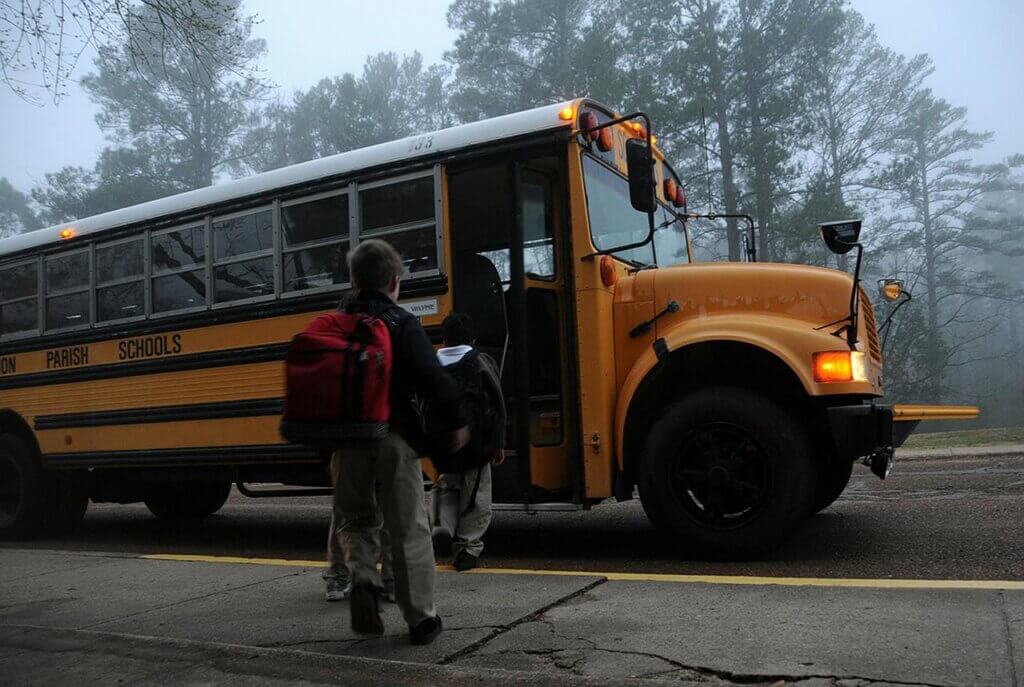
x=277 y=250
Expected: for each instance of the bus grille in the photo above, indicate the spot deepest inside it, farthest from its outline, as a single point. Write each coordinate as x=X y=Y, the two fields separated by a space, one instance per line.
x=870 y=326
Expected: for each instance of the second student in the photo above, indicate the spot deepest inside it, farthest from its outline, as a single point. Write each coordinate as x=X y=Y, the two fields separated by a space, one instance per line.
x=462 y=500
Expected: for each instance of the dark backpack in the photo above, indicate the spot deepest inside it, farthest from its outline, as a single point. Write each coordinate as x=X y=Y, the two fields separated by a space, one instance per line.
x=477 y=406
x=338 y=381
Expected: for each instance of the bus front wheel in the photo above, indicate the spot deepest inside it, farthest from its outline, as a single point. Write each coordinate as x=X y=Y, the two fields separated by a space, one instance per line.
x=34 y=502
x=728 y=472
x=193 y=499
x=833 y=478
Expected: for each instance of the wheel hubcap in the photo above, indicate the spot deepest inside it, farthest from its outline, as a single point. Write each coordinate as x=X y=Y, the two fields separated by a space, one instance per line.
x=721 y=476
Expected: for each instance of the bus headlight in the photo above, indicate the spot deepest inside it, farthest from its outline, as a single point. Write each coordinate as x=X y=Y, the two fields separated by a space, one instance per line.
x=840 y=366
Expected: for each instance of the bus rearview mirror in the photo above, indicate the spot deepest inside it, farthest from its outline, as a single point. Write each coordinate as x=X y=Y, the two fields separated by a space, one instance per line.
x=842 y=236
x=640 y=167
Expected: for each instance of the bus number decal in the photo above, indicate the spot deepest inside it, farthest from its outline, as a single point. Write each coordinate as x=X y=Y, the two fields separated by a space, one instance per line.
x=149 y=347
x=8 y=365
x=421 y=143
x=67 y=357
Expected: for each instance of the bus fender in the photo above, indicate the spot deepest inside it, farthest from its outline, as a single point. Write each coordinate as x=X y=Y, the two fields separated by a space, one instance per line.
x=13 y=423
x=774 y=335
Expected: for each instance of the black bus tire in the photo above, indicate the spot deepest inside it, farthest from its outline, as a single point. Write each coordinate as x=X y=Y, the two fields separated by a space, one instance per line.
x=66 y=503
x=728 y=472
x=833 y=477
x=192 y=499
x=22 y=489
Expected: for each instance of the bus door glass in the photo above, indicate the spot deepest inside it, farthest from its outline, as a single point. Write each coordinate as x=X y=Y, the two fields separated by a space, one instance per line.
x=481 y=203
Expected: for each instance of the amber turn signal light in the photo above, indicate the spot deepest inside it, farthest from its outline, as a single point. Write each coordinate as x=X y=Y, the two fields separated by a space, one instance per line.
x=839 y=366
x=608 y=272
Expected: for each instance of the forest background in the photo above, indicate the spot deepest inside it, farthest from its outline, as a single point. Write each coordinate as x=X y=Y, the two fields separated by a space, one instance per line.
x=792 y=111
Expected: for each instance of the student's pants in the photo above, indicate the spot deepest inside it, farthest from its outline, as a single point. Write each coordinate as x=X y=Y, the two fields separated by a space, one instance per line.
x=452 y=498
x=382 y=480
x=336 y=568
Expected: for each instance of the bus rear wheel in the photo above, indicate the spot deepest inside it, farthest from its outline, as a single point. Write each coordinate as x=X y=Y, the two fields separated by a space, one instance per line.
x=192 y=499
x=728 y=472
x=34 y=502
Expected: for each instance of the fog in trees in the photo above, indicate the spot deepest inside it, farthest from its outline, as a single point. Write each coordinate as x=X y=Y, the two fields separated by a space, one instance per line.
x=791 y=111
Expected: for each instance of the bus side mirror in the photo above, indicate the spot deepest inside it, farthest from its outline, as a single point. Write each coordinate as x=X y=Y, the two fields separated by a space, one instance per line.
x=640 y=167
x=841 y=236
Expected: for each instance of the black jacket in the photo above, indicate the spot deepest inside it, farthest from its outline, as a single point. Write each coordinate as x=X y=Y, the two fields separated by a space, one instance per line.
x=416 y=374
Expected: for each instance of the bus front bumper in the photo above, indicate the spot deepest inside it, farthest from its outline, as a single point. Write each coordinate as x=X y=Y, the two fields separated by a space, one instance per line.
x=874 y=430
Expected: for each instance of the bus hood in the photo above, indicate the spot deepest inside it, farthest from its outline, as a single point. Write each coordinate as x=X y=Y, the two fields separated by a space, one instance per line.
x=793 y=308
x=815 y=295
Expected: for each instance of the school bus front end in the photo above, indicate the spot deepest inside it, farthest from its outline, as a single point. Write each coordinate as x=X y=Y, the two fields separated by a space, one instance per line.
x=735 y=396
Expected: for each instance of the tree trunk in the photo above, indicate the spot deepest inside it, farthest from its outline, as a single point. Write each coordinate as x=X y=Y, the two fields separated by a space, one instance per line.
x=720 y=102
x=931 y=278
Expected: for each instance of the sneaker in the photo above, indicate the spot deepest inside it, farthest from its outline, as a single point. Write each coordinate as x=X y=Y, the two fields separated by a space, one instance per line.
x=466 y=561
x=426 y=631
x=338 y=590
x=365 y=608
x=442 y=539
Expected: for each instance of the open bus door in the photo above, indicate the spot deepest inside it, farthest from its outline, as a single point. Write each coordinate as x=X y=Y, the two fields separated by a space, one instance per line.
x=518 y=302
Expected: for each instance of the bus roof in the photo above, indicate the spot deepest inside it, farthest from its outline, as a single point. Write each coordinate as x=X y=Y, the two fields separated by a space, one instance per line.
x=447 y=140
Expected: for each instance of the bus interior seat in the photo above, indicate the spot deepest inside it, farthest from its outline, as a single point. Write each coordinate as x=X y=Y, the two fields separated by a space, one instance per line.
x=482 y=298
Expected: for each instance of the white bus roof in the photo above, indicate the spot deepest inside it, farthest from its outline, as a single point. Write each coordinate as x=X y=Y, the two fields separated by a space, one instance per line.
x=446 y=140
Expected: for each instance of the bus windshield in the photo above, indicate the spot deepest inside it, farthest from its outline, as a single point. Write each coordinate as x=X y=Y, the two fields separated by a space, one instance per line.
x=614 y=222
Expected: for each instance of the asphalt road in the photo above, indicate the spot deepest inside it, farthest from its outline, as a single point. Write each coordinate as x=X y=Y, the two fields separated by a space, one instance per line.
x=946 y=518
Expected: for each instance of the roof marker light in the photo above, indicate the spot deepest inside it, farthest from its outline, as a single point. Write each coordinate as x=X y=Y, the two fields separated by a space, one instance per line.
x=670 y=190
x=588 y=125
x=66 y=234
x=680 y=200
x=565 y=114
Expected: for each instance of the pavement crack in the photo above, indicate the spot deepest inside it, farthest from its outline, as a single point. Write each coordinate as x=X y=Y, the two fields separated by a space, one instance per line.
x=691 y=671
x=529 y=617
x=189 y=600
x=1011 y=657
x=349 y=642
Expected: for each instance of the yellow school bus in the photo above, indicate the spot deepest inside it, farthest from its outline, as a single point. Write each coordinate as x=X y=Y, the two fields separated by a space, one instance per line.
x=141 y=350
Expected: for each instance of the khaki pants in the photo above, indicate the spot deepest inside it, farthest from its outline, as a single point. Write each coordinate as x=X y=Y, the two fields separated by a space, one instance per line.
x=452 y=496
x=336 y=568
x=380 y=483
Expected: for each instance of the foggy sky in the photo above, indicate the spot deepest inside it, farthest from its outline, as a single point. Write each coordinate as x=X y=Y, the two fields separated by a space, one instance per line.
x=975 y=45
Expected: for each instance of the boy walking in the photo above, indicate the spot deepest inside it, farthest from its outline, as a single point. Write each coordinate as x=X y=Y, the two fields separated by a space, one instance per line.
x=462 y=500
x=381 y=479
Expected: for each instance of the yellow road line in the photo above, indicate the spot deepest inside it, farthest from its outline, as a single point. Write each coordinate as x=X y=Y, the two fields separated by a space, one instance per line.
x=650 y=577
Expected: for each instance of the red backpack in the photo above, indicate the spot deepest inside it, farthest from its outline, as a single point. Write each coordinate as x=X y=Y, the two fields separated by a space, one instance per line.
x=338 y=381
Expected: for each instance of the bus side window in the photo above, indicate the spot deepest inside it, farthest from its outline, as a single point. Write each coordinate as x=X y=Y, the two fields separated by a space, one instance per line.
x=315 y=234
x=179 y=269
x=243 y=265
x=19 y=304
x=67 y=290
x=120 y=288
x=403 y=213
